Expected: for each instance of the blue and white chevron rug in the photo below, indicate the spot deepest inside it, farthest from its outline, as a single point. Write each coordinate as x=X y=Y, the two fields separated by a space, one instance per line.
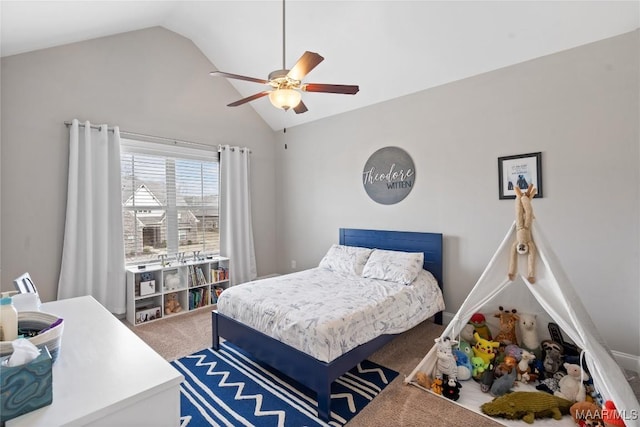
x=229 y=388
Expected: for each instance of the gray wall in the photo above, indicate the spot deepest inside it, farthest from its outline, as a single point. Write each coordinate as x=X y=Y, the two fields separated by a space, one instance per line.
x=578 y=107
x=151 y=81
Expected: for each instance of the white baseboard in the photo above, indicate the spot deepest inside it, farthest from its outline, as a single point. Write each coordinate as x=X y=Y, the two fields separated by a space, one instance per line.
x=625 y=360
x=266 y=276
x=447 y=317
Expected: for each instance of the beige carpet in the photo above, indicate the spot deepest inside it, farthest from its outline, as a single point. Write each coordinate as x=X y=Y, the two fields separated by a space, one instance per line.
x=397 y=405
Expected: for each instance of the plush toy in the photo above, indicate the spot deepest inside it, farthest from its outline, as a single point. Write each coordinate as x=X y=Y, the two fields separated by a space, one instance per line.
x=464 y=365
x=436 y=385
x=527 y=406
x=513 y=351
x=445 y=363
x=479 y=323
x=146 y=276
x=586 y=413
x=487 y=380
x=171 y=304
x=592 y=394
x=610 y=415
x=508 y=364
x=478 y=367
x=466 y=334
x=524 y=370
x=171 y=281
x=508 y=322
x=451 y=390
x=551 y=384
x=465 y=347
x=571 y=387
x=570 y=351
x=529 y=334
x=423 y=379
x=504 y=384
x=552 y=356
x=524 y=244
x=485 y=349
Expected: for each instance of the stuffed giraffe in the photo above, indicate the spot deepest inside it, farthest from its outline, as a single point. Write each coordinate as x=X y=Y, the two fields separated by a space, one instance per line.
x=508 y=322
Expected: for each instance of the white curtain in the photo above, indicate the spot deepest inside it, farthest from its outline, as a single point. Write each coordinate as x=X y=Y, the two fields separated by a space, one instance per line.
x=93 y=251
x=236 y=232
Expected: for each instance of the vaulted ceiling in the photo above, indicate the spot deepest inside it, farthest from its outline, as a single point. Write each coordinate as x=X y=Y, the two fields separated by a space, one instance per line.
x=389 y=48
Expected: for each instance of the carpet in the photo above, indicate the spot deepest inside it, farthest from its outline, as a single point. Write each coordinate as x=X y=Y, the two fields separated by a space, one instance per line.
x=229 y=388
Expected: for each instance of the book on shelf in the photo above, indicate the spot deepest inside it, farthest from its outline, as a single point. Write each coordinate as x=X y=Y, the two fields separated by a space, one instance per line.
x=198 y=298
x=219 y=275
x=191 y=300
x=196 y=276
x=216 y=294
x=200 y=276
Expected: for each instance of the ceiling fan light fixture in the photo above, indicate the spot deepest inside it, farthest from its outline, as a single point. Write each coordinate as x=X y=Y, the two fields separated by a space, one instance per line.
x=285 y=98
x=287 y=83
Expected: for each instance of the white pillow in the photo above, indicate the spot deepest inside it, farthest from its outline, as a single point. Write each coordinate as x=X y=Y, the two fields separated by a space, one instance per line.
x=345 y=259
x=393 y=266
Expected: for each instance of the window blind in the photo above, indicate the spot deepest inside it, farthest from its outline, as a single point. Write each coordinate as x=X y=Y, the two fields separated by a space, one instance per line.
x=169 y=201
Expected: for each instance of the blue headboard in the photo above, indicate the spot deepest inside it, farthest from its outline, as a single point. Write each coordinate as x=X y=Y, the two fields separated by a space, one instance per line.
x=428 y=243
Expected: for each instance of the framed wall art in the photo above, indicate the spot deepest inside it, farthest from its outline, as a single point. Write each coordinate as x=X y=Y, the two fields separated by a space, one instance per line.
x=519 y=170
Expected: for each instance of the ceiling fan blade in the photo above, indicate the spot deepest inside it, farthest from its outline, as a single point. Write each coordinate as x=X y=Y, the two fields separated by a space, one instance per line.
x=307 y=62
x=249 y=98
x=238 y=77
x=319 y=87
x=300 y=108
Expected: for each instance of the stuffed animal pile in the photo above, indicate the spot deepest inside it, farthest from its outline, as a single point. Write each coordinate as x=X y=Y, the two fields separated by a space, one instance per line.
x=511 y=356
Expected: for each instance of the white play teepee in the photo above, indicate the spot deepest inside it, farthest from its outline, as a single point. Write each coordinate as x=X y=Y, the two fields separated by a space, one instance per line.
x=553 y=292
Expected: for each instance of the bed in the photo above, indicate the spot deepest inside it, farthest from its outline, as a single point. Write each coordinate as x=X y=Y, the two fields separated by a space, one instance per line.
x=307 y=367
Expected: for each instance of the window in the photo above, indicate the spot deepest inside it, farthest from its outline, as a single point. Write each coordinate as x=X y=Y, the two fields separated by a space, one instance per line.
x=169 y=201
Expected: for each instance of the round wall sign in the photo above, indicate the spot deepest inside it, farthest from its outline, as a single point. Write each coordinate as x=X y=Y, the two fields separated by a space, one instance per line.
x=389 y=175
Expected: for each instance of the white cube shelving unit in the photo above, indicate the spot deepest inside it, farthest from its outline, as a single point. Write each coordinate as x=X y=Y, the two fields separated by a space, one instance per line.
x=196 y=284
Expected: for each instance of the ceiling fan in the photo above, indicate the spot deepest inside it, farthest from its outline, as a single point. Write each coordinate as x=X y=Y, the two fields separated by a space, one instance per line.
x=286 y=84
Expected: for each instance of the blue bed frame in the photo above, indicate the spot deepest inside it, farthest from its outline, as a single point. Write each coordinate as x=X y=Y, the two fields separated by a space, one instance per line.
x=311 y=372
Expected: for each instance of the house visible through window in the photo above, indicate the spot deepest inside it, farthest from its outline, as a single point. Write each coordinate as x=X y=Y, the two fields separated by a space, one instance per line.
x=169 y=201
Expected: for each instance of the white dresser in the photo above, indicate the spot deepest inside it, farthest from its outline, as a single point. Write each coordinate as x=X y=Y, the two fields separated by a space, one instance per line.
x=105 y=375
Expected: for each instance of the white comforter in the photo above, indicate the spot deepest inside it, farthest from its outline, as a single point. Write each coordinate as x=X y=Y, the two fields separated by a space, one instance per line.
x=325 y=314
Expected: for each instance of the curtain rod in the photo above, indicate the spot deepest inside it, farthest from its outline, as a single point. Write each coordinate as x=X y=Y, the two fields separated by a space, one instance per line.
x=159 y=138
x=241 y=149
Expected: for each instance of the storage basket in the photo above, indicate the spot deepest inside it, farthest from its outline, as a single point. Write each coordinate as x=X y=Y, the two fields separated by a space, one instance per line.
x=37 y=321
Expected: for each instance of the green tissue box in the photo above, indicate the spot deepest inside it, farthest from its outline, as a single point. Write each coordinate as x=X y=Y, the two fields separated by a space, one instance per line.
x=25 y=388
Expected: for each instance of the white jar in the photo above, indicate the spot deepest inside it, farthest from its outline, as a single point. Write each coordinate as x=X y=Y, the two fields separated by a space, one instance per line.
x=8 y=319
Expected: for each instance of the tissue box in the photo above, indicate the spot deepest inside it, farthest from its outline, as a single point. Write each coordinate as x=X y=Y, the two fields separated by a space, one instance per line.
x=27 y=387
x=147 y=288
